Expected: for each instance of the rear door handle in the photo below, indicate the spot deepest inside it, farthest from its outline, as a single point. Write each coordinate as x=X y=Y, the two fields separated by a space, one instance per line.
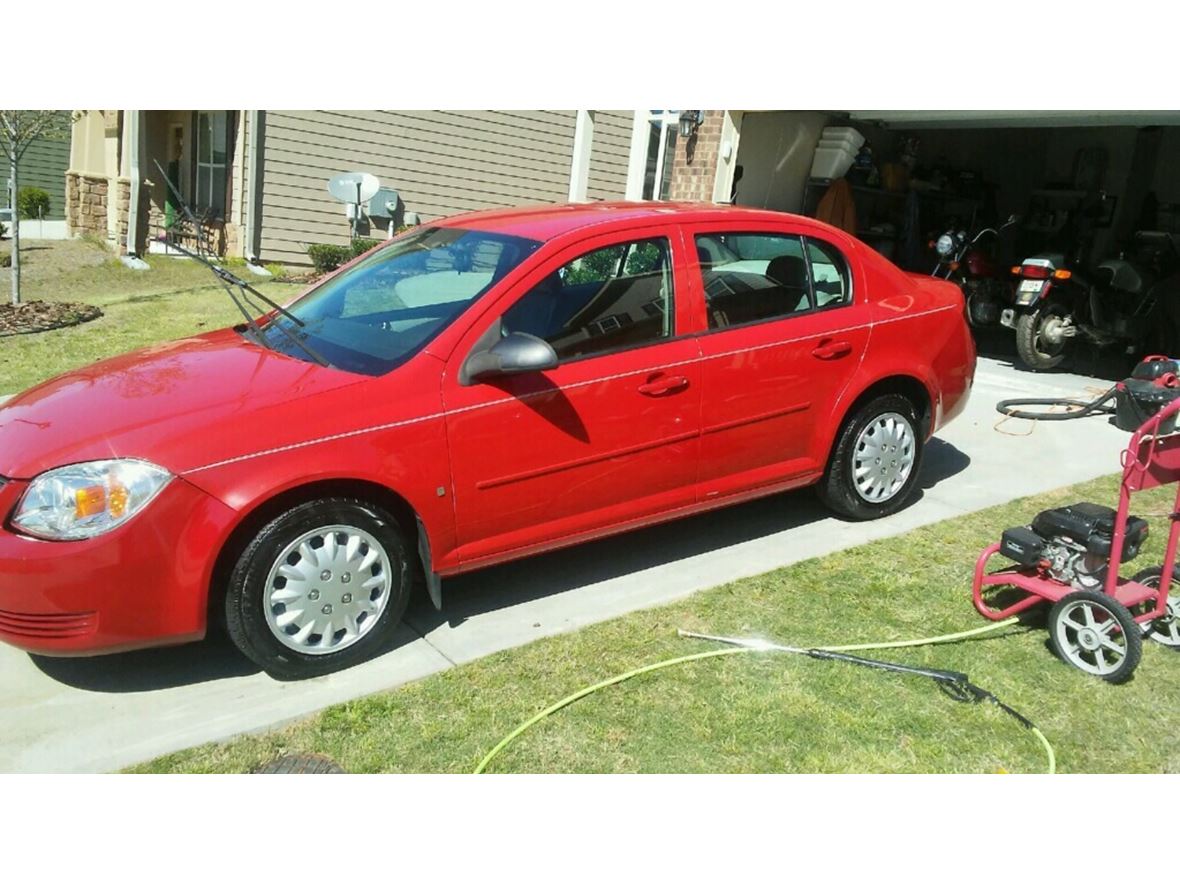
x=830 y=350
x=661 y=386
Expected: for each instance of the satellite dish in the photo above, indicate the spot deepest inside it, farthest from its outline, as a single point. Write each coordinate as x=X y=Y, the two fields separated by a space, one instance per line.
x=354 y=187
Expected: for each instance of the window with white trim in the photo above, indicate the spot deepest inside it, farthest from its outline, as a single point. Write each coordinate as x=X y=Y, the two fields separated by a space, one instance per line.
x=662 y=130
x=212 y=156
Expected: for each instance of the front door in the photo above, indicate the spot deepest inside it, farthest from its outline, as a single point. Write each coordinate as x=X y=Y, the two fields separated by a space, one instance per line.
x=609 y=435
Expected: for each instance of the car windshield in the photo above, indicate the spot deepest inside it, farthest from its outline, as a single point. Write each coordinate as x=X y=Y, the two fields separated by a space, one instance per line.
x=377 y=314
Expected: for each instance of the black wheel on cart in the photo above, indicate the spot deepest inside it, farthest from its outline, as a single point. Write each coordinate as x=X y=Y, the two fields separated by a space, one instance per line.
x=1096 y=634
x=1165 y=630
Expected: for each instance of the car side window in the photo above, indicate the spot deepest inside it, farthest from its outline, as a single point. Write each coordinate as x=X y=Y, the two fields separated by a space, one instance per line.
x=829 y=274
x=609 y=299
x=752 y=277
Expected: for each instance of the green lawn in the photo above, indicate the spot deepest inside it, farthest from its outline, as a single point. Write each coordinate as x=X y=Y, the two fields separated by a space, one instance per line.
x=770 y=713
x=174 y=299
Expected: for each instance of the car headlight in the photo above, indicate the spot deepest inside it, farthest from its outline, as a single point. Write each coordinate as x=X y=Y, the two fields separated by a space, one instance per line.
x=84 y=500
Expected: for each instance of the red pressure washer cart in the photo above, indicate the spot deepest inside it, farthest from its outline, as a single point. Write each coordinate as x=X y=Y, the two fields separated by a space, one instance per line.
x=1071 y=556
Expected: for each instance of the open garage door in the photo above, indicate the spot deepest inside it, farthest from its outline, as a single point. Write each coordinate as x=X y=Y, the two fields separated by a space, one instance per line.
x=1082 y=182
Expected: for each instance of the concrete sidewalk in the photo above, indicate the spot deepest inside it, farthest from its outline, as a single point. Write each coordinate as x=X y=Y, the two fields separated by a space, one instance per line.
x=104 y=713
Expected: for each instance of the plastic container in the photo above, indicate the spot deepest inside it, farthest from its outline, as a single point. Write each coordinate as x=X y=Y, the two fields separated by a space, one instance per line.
x=843 y=134
x=831 y=162
x=852 y=145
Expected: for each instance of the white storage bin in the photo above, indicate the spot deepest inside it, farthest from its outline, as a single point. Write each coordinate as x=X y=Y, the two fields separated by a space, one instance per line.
x=831 y=162
x=844 y=144
x=845 y=134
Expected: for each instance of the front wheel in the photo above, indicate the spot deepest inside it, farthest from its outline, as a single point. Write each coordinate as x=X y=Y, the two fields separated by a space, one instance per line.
x=1039 y=338
x=873 y=470
x=319 y=588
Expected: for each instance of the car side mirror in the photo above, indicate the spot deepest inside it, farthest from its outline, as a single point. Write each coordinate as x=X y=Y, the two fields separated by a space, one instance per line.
x=514 y=354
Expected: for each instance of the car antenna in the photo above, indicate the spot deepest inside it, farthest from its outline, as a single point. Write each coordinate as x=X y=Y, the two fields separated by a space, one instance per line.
x=229 y=280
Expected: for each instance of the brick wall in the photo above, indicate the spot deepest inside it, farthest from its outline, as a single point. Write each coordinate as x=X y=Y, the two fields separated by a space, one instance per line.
x=694 y=168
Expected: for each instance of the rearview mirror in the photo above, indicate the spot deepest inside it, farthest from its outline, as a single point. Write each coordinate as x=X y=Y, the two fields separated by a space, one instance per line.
x=514 y=354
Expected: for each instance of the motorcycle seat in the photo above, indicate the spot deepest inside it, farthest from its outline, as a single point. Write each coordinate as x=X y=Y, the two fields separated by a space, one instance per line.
x=1118 y=273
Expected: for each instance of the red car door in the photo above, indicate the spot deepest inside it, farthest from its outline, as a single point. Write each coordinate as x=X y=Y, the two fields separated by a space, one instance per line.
x=785 y=330
x=609 y=436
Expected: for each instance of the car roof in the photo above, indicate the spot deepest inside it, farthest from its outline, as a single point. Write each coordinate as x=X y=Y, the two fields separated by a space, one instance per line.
x=546 y=222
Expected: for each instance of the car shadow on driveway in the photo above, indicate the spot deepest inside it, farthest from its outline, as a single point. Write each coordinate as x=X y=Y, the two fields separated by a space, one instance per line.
x=213 y=658
x=550 y=574
x=498 y=587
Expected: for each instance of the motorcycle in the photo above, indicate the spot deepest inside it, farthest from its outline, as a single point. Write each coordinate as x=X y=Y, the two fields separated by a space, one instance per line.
x=1129 y=302
x=986 y=287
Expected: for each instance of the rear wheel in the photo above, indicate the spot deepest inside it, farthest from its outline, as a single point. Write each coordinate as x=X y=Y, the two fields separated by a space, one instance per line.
x=1096 y=634
x=874 y=469
x=1164 y=630
x=1038 y=337
x=319 y=588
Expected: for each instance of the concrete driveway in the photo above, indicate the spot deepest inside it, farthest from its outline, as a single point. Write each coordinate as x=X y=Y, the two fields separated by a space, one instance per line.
x=100 y=714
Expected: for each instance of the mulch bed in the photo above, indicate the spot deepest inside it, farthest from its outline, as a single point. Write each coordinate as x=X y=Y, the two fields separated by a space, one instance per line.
x=41 y=316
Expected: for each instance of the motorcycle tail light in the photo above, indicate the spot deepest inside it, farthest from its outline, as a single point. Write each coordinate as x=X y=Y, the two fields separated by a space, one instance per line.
x=1035 y=272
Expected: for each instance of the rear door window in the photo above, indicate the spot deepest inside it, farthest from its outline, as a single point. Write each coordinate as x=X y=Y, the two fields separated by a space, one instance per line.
x=753 y=277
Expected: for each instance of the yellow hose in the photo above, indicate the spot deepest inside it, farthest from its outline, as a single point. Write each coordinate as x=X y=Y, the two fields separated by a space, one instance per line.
x=716 y=653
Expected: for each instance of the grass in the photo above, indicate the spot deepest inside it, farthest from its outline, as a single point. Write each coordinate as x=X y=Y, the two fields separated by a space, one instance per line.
x=174 y=299
x=770 y=713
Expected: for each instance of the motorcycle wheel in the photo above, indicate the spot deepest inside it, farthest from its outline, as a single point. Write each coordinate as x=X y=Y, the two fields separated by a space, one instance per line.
x=1035 y=351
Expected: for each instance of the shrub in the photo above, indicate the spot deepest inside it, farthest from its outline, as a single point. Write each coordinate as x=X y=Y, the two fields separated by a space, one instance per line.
x=327 y=257
x=276 y=270
x=32 y=202
x=3 y=230
x=362 y=245
x=5 y=260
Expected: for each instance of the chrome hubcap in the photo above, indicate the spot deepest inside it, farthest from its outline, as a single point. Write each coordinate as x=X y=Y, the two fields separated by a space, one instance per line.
x=327 y=589
x=883 y=458
x=1090 y=638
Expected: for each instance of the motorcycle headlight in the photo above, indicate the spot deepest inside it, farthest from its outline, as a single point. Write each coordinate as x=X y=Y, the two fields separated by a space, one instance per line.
x=945 y=245
x=84 y=500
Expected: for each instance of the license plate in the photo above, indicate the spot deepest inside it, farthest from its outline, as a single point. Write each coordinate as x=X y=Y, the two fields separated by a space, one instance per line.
x=1031 y=285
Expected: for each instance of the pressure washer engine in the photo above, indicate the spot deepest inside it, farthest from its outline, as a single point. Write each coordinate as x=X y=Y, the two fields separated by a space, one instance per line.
x=1072 y=544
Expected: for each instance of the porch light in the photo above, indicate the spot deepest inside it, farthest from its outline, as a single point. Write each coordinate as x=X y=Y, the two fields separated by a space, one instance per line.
x=690 y=122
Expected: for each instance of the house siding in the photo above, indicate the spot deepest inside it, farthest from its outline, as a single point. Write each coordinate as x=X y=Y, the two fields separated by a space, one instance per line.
x=44 y=165
x=440 y=162
x=609 y=153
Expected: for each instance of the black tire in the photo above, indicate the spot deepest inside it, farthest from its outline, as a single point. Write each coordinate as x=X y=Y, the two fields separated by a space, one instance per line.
x=838 y=490
x=1076 y=654
x=1028 y=327
x=1165 y=630
x=246 y=617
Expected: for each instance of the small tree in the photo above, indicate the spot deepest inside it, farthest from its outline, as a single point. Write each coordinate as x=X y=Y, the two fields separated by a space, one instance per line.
x=19 y=129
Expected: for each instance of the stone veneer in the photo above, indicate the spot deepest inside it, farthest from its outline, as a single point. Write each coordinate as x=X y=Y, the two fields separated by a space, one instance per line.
x=86 y=204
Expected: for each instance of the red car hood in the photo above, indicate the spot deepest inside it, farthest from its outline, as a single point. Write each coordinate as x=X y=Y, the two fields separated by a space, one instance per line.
x=179 y=405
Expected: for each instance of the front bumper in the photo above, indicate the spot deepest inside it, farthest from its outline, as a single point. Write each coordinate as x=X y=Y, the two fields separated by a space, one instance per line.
x=145 y=583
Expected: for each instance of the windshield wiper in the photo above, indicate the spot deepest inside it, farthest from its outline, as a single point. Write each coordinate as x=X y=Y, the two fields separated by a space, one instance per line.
x=229 y=281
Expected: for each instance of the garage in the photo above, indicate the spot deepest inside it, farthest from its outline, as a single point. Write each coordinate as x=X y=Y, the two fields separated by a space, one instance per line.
x=1083 y=185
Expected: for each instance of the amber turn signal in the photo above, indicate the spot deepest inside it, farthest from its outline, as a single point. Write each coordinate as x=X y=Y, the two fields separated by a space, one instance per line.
x=89 y=501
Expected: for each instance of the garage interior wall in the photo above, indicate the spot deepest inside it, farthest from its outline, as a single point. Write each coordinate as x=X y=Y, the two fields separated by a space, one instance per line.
x=775 y=151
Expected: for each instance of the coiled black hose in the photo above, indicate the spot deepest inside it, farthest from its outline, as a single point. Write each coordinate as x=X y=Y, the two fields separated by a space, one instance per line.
x=1081 y=409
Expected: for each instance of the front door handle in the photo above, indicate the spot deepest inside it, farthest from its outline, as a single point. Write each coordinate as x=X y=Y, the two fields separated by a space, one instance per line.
x=830 y=350
x=661 y=386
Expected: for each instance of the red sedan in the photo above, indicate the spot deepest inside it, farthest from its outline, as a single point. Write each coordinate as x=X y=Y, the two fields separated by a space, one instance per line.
x=480 y=389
